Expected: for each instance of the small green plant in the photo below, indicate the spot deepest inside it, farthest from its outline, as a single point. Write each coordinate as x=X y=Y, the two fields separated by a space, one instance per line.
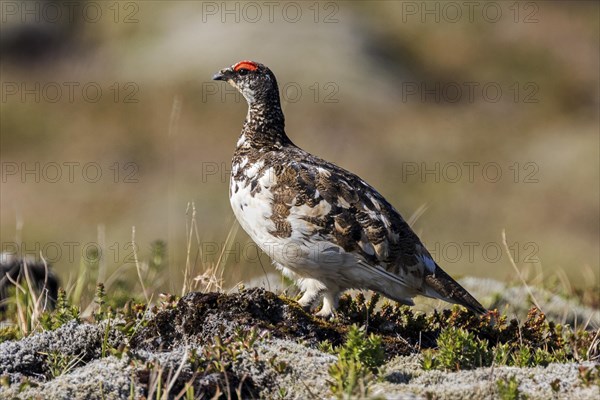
x=220 y=357
x=100 y=300
x=63 y=313
x=428 y=362
x=359 y=309
x=521 y=356
x=358 y=359
x=279 y=366
x=509 y=389
x=326 y=347
x=457 y=350
x=58 y=363
x=105 y=345
x=27 y=383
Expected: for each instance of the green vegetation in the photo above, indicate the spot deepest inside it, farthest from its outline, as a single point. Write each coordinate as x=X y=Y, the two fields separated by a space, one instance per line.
x=458 y=349
x=456 y=339
x=10 y=332
x=358 y=359
x=58 y=363
x=509 y=389
x=220 y=355
x=63 y=313
x=535 y=342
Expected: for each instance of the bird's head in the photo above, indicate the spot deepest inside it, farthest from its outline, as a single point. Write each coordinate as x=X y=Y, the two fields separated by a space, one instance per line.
x=254 y=81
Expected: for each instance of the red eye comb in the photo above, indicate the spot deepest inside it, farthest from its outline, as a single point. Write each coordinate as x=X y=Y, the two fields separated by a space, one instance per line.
x=249 y=65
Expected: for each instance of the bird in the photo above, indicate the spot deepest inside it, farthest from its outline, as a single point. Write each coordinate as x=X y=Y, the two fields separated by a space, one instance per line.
x=322 y=226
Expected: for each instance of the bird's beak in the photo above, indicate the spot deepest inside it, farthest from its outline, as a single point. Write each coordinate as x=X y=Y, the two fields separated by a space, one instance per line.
x=222 y=75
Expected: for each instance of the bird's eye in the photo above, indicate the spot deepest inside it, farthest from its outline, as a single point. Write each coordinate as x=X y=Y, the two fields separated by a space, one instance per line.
x=243 y=71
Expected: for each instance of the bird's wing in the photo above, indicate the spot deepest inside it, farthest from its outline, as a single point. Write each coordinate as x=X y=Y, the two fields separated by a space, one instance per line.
x=344 y=210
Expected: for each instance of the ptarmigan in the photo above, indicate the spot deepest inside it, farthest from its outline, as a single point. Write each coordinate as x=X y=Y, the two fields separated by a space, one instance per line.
x=322 y=226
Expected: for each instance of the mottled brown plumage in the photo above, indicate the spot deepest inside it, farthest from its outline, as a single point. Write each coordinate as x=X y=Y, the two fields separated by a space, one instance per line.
x=322 y=225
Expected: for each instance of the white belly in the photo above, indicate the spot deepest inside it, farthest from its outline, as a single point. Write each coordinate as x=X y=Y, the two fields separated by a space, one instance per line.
x=303 y=251
x=254 y=213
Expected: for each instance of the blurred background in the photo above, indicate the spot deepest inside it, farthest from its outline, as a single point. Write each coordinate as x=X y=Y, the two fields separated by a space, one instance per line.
x=470 y=119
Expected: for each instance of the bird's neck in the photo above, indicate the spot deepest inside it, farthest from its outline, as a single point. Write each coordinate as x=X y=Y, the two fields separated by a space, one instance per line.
x=265 y=124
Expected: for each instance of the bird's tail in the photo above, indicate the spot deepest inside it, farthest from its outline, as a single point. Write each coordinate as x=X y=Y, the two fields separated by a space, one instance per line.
x=440 y=285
